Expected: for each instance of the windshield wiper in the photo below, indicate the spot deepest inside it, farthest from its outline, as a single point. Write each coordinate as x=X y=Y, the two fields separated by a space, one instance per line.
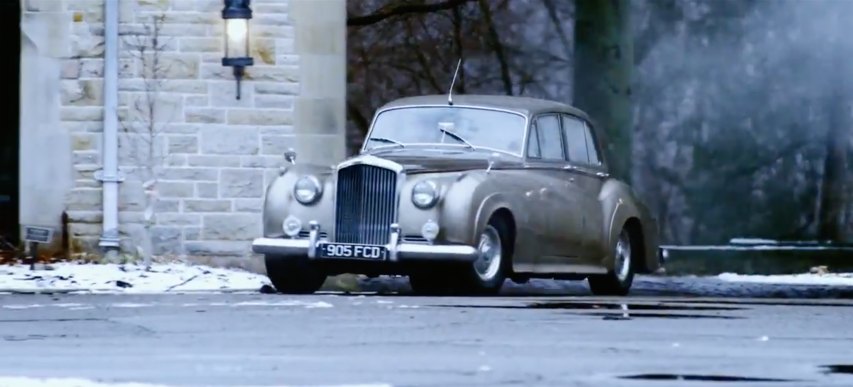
x=388 y=141
x=456 y=136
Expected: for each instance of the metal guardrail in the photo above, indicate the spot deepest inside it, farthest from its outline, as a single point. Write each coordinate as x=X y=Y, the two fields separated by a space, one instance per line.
x=746 y=244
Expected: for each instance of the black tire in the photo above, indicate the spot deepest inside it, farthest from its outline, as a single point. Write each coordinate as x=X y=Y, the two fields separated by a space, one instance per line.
x=433 y=282
x=617 y=281
x=293 y=276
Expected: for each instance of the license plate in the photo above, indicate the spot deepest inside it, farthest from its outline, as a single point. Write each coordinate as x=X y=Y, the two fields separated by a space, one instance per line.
x=350 y=251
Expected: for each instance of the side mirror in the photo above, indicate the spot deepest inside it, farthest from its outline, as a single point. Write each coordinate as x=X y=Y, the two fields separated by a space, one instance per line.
x=290 y=156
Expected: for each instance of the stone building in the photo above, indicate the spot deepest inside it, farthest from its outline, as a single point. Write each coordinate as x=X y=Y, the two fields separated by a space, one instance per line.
x=212 y=154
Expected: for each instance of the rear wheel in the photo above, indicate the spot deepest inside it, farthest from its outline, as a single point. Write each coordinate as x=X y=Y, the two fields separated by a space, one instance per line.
x=618 y=281
x=293 y=276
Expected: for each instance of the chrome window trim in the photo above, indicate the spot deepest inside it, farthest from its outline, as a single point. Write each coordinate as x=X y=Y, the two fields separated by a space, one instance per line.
x=380 y=111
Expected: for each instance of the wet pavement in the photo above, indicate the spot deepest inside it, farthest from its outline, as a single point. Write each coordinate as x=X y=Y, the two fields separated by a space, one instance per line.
x=648 y=285
x=401 y=340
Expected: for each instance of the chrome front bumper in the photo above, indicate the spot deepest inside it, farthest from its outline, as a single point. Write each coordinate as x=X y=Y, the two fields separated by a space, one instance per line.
x=397 y=251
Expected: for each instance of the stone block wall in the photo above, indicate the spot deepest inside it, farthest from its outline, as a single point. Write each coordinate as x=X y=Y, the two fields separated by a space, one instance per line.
x=212 y=155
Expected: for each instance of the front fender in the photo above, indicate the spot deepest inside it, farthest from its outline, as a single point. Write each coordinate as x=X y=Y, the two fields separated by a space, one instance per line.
x=467 y=201
x=279 y=201
x=478 y=197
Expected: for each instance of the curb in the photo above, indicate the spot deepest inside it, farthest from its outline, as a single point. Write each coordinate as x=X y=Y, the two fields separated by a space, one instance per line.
x=701 y=262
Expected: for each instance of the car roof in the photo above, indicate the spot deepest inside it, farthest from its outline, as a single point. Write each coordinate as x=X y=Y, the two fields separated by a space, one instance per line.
x=522 y=105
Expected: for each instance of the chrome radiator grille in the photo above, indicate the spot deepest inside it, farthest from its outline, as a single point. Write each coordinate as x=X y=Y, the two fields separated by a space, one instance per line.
x=366 y=204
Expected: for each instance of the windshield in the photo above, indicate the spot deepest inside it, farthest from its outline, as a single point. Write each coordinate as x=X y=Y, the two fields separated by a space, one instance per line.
x=497 y=130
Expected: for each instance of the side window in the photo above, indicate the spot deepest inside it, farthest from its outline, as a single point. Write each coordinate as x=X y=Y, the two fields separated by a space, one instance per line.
x=534 y=151
x=590 y=146
x=576 y=140
x=550 y=139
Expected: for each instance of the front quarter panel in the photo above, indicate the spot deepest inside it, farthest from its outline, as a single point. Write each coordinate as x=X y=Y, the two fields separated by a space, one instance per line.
x=279 y=201
x=468 y=199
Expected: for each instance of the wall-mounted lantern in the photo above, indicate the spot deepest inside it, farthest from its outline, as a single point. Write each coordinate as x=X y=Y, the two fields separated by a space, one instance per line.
x=237 y=14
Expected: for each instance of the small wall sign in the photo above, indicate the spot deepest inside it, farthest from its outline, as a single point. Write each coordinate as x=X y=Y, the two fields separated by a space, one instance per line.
x=37 y=234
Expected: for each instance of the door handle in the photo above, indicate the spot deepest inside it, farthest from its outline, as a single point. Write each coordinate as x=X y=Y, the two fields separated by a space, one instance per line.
x=602 y=174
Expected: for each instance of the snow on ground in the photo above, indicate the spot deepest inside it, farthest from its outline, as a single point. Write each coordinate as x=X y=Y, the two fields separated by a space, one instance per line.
x=78 y=382
x=65 y=382
x=823 y=279
x=130 y=278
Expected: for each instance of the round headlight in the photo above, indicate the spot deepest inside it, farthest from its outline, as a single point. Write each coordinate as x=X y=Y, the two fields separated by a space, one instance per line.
x=307 y=190
x=425 y=194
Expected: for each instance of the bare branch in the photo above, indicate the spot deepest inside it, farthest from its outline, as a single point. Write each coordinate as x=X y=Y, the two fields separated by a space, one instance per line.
x=403 y=9
x=494 y=39
x=564 y=38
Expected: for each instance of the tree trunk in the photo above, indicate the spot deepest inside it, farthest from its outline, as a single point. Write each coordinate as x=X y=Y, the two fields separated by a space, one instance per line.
x=837 y=141
x=603 y=64
x=832 y=198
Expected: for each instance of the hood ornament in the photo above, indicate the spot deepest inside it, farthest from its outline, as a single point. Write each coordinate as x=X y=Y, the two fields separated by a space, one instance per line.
x=290 y=156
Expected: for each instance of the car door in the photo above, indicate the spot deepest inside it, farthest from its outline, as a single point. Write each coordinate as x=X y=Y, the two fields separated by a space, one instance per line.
x=558 y=207
x=588 y=173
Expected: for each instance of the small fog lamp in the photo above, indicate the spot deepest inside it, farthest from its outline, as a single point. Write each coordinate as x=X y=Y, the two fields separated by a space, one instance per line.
x=291 y=226
x=430 y=230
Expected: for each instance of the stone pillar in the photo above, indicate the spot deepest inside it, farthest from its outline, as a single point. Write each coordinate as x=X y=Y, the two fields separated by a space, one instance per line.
x=46 y=168
x=320 y=107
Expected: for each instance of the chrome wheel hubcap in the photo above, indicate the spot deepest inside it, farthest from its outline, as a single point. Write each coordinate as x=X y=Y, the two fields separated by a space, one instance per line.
x=488 y=263
x=622 y=264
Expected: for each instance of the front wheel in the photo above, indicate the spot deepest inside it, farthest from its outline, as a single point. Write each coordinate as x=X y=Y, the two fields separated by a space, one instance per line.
x=293 y=276
x=485 y=276
x=488 y=273
x=618 y=281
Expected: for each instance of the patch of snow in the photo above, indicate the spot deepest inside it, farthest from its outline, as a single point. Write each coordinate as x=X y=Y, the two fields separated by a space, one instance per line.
x=67 y=305
x=757 y=247
x=318 y=304
x=130 y=305
x=13 y=306
x=79 y=382
x=827 y=279
x=115 y=278
x=752 y=241
x=65 y=382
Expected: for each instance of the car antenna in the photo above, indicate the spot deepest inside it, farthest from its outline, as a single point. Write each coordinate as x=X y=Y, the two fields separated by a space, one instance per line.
x=455 y=73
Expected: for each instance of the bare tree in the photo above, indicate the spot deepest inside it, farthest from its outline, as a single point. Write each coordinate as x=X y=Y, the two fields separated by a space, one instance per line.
x=146 y=119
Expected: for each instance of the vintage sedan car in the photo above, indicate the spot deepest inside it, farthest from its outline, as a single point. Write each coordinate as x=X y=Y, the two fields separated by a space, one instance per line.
x=460 y=196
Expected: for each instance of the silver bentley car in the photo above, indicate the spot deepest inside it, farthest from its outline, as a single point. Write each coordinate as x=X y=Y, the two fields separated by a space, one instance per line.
x=461 y=195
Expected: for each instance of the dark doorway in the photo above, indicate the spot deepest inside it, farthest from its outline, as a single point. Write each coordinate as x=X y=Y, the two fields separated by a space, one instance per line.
x=10 y=36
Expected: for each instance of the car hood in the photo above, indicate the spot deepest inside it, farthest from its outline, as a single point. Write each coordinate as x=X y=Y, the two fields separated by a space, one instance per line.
x=430 y=161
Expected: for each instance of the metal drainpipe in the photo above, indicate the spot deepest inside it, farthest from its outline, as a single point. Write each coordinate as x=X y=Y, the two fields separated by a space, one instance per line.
x=110 y=175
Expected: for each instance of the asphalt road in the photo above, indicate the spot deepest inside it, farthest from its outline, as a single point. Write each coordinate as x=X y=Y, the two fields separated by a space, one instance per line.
x=266 y=339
